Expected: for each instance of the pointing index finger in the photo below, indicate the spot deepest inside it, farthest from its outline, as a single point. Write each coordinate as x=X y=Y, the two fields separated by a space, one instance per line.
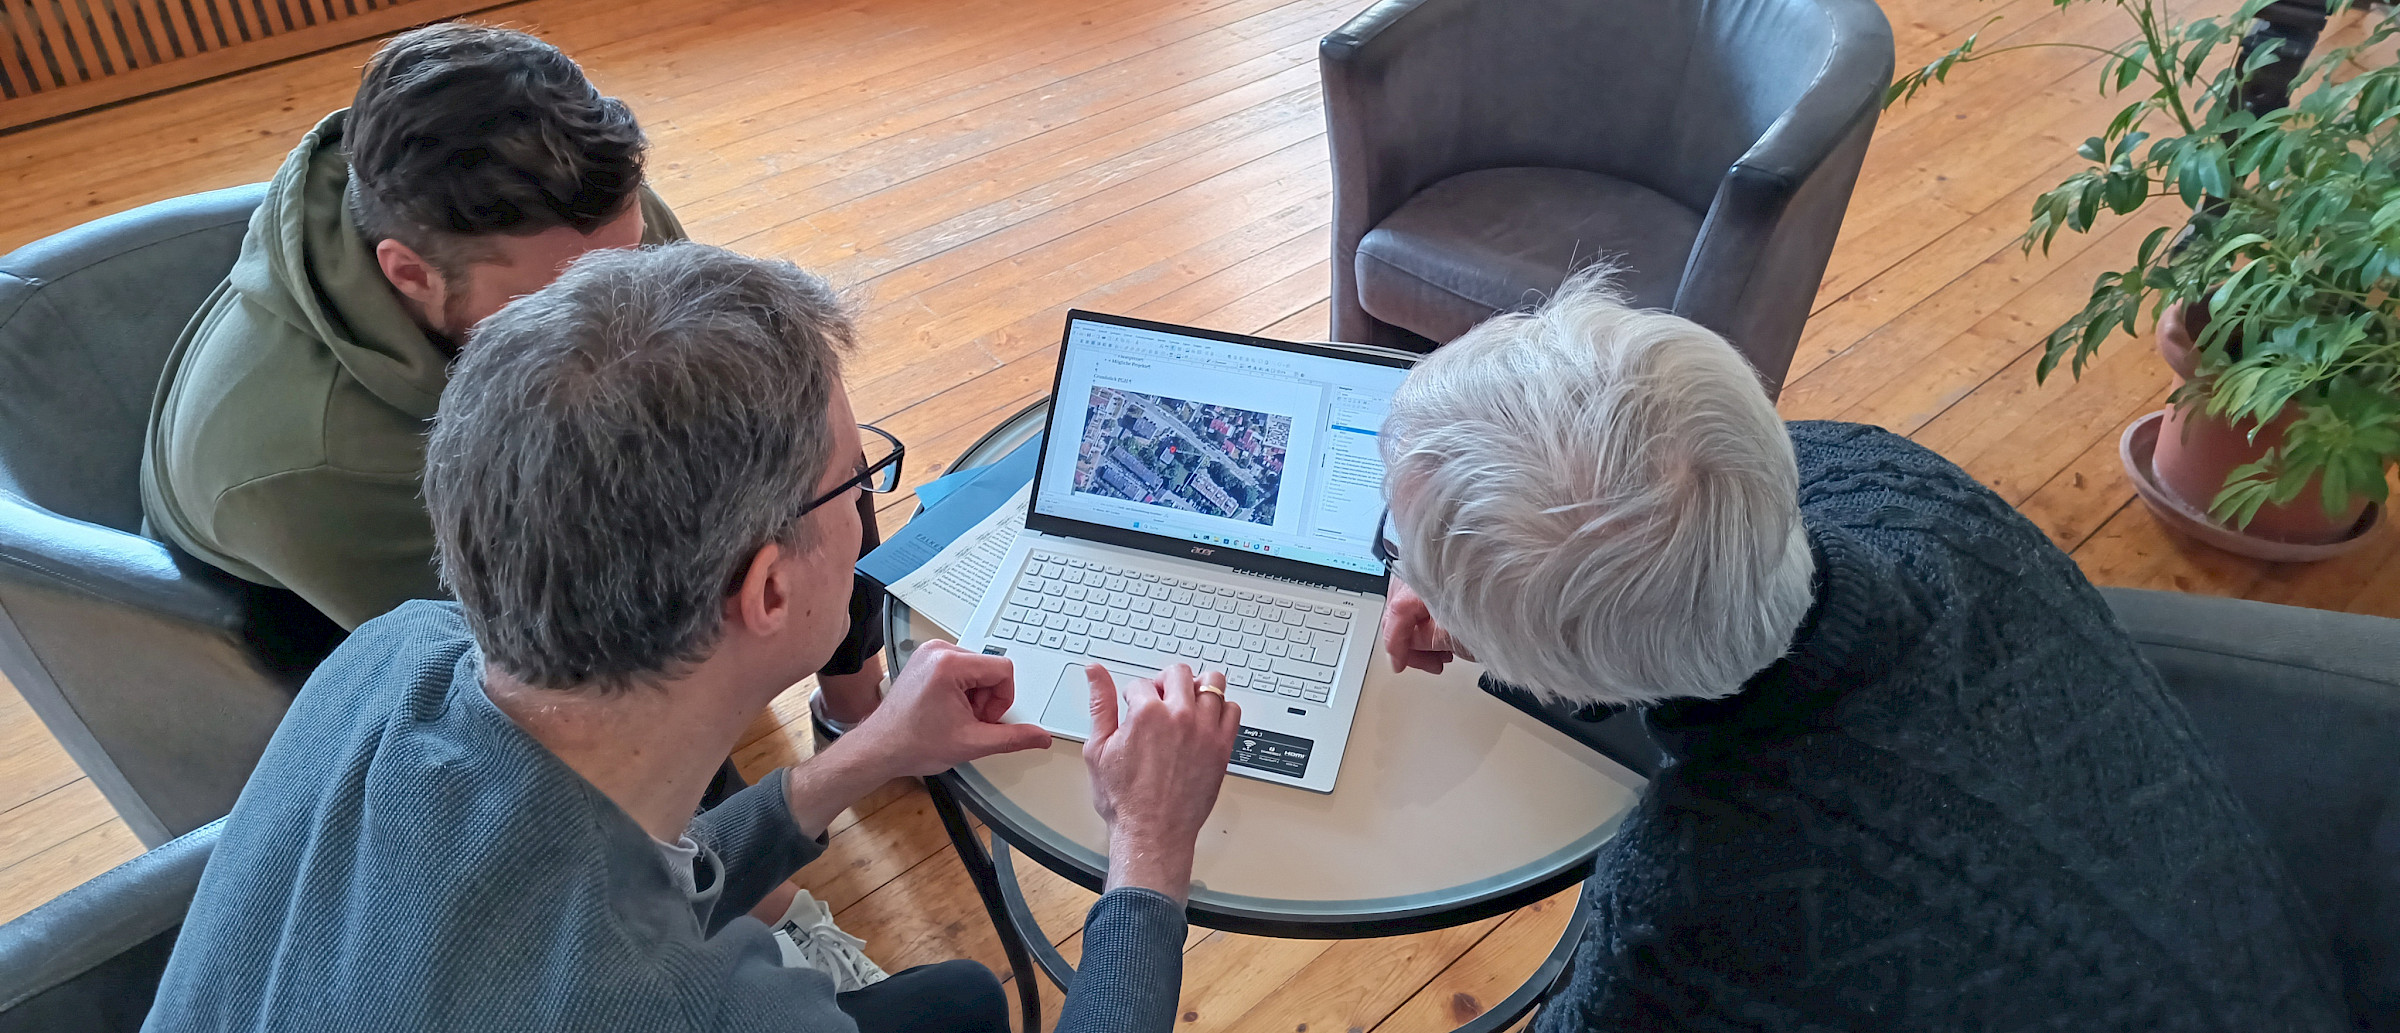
x=1104 y=701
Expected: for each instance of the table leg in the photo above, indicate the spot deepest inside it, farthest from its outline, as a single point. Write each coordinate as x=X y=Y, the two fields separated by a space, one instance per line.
x=1546 y=980
x=987 y=885
x=1045 y=954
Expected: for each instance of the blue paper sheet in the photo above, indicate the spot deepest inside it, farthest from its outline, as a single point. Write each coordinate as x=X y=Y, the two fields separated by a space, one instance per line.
x=958 y=509
x=931 y=493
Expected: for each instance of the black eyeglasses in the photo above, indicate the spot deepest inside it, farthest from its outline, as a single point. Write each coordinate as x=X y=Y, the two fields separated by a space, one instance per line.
x=1386 y=552
x=879 y=476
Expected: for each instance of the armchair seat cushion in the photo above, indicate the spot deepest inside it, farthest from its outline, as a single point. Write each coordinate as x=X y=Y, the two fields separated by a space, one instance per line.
x=1499 y=240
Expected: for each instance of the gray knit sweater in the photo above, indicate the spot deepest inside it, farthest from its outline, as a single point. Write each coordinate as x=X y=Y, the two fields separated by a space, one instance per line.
x=407 y=858
x=1961 y=802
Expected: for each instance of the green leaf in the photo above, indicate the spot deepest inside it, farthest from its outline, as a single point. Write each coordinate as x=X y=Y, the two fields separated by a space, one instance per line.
x=2094 y=149
x=2226 y=250
x=2122 y=153
x=1937 y=70
x=2187 y=181
x=2270 y=47
x=2126 y=118
x=2131 y=68
x=2246 y=490
x=2385 y=217
x=2126 y=193
x=2150 y=248
x=2216 y=175
x=2054 y=348
x=2335 y=488
x=2203 y=44
x=2249 y=10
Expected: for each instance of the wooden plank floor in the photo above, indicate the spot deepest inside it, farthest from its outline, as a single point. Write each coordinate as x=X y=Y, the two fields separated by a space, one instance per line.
x=971 y=168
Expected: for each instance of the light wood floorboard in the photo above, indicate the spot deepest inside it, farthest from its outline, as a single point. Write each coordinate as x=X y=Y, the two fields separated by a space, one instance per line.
x=969 y=169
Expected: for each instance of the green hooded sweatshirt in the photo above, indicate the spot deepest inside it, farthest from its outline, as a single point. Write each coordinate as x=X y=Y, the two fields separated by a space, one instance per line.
x=287 y=440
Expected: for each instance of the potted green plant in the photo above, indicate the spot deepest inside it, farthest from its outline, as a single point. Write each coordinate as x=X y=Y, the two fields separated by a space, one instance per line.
x=2277 y=301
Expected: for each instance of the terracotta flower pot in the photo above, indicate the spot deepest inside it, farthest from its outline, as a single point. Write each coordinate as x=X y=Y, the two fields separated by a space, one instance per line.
x=2195 y=451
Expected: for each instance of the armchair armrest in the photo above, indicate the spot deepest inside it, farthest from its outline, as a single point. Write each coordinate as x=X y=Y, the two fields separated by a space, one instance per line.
x=1761 y=253
x=161 y=676
x=91 y=960
x=38 y=546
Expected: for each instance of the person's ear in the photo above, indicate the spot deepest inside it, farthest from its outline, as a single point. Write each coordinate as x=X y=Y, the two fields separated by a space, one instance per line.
x=415 y=278
x=762 y=602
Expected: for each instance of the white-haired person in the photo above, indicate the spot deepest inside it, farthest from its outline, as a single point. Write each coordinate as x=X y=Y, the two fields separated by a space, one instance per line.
x=1918 y=776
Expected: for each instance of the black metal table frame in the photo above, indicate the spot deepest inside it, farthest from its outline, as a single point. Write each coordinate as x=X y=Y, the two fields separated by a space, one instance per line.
x=993 y=873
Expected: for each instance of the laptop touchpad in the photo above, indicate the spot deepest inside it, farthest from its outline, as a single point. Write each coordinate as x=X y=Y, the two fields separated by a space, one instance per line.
x=1070 y=709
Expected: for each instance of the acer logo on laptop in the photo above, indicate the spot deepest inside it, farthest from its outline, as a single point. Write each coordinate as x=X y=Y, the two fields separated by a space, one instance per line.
x=1199 y=550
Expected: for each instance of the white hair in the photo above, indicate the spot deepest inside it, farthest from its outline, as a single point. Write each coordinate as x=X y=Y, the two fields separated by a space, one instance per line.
x=1601 y=503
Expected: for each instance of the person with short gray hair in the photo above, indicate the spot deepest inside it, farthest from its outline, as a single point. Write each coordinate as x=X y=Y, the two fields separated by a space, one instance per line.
x=1917 y=776
x=478 y=815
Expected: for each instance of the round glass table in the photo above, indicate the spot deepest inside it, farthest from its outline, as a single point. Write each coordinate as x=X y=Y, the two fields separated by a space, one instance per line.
x=1451 y=806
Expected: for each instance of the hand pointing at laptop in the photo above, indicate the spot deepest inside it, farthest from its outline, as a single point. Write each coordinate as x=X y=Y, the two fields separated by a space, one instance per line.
x=1157 y=762
x=1157 y=756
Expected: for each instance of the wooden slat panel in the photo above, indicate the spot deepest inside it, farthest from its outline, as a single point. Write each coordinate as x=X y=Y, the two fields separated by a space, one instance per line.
x=216 y=37
x=119 y=19
x=92 y=25
x=19 y=43
x=93 y=22
x=173 y=34
x=242 y=20
x=140 y=33
x=216 y=22
x=1487 y=972
x=57 y=45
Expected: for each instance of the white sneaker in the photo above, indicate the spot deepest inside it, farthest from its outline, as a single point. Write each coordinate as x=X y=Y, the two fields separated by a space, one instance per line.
x=809 y=939
x=826 y=729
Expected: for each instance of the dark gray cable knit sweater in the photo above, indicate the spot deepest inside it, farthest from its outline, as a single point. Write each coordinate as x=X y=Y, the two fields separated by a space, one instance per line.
x=406 y=858
x=1961 y=802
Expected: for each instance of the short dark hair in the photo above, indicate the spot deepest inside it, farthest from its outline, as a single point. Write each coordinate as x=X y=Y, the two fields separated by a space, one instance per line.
x=463 y=130
x=618 y=445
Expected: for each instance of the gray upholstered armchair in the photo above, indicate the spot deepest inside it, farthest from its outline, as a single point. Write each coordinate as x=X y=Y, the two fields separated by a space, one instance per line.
x=2301 y=709
x=1482 y=149
x=162 y=676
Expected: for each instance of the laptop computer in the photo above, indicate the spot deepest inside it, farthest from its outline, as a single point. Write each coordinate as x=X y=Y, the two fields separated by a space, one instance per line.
x=1210 y=499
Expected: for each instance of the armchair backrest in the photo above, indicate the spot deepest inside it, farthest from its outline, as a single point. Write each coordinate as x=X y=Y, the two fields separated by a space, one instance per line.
x=1664 y=93
x=86 y=320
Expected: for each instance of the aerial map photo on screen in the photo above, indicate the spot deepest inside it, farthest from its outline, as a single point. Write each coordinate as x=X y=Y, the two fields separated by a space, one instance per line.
x=1211 y=459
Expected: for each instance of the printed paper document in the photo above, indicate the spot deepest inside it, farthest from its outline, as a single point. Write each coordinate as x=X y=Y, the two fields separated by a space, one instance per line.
x=949 y=587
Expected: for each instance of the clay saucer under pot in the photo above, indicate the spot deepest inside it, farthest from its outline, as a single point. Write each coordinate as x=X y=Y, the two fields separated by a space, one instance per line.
x=2141 y=442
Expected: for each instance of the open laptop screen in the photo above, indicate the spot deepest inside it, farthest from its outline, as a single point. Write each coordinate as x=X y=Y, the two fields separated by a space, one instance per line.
x=1219 y=440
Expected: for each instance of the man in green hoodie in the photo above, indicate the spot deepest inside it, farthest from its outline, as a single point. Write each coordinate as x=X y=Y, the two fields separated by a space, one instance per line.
x=287 y=441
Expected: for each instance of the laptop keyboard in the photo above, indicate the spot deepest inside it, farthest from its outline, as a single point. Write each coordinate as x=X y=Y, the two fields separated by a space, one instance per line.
x=1265 y=643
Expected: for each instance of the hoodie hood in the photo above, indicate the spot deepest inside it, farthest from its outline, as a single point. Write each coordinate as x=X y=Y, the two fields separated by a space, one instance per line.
x=305 y=263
